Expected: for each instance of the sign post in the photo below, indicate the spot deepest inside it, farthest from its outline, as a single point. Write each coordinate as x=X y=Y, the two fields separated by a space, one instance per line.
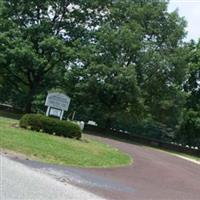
x=57 y=103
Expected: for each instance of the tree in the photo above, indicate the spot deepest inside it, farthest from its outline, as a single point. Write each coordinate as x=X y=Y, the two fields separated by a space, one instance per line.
x=37 y=40
x=161 y=65
x=123 y=57
x=105 y=92
x=135 y=58
x=192 y=85
x=189 y=131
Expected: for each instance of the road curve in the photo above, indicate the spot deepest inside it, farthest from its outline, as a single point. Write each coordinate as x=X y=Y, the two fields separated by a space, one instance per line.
x=155 y=175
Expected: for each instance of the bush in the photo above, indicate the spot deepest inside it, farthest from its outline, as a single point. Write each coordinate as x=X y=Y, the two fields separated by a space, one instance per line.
x=49 y=125
x=189 y=131
x=147 y=128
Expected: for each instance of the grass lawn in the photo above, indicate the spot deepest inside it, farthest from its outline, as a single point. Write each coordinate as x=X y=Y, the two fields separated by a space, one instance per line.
x=179 y=154
x=58 y=150
x=195 y=158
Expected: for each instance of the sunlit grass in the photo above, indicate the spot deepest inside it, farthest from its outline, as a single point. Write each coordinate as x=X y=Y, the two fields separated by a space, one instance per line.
x=59 y=150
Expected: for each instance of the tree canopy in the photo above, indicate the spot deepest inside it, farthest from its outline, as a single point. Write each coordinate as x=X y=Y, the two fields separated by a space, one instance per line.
x=123 y=62
x=37 y=41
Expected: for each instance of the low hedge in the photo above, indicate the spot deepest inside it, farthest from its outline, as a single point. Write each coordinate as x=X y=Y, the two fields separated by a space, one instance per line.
x=49 y=125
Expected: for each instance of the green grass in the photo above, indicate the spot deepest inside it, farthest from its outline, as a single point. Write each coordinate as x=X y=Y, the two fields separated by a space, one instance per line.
x=195 y=158
x=175 y=153
x=191 y=157
x=58 y=150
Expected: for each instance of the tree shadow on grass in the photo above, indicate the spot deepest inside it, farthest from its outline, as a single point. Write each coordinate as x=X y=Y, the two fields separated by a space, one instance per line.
x=10 y=114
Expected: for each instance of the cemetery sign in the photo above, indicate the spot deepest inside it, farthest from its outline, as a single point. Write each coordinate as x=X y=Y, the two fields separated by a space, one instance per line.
x=57 y=103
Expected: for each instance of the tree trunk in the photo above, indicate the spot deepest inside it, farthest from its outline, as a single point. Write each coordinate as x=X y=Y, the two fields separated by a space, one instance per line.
x=30 y=98
x=28 y=106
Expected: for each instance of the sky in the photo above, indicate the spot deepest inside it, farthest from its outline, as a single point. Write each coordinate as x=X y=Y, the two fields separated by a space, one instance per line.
x=190 y=9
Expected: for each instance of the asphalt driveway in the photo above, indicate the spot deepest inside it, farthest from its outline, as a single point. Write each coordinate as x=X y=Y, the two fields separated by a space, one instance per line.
x=154 y=175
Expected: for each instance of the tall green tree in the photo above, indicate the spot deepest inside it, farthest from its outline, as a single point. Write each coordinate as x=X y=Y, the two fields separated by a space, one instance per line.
x=135 y=59
x=37 y=41
x=123 y=57
x=161 y=66
x=192 y=85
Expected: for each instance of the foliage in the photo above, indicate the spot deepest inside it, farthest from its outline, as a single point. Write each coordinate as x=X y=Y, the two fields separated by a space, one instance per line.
x=50 y=125
x=192 y=85
x=189 y=131
x=115 y=59
x=135 y=65
x=37 y=43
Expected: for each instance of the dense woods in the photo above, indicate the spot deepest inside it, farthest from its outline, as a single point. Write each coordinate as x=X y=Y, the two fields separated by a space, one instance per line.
x=124 y=63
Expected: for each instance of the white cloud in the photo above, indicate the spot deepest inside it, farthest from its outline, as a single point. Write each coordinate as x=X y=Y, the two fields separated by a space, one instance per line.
x=191 y=11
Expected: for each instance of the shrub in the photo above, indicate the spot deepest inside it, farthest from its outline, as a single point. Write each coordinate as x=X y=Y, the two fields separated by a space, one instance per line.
x=49 y=125
x=189 y=131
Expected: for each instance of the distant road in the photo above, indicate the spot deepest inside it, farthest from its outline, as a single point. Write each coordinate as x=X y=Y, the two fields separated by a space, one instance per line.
x=19 y=182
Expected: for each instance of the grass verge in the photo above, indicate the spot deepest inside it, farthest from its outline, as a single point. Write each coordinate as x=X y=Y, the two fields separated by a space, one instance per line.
x=59 y=150
x=183 y=155
x=191 y=158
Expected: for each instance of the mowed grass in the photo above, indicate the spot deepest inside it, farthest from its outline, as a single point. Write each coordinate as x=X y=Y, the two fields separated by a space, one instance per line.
x=59 y=150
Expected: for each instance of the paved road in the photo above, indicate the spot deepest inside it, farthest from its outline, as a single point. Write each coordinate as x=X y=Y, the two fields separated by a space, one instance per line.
x=155 y=175
x=18 y=182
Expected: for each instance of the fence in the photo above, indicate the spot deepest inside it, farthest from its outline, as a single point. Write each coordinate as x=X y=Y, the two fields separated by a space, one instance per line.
x=94 y=130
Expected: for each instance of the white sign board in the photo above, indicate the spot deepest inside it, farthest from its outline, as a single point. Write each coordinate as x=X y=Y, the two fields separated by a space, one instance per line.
x=58 y=101
x=55 y=112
